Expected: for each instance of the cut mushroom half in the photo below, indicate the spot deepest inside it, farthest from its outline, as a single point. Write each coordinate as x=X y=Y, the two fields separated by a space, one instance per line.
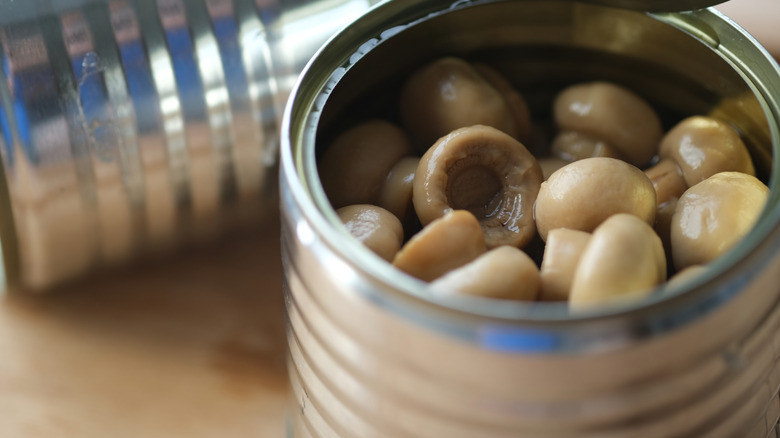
x=376 y=228
x=504 y=273
x=561 y=256
x=443 y=245
x=624 y=259
x=484 y=171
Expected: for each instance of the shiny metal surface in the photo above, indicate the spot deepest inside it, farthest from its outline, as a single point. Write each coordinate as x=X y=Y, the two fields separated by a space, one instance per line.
x=372 y=354
x=132 y=127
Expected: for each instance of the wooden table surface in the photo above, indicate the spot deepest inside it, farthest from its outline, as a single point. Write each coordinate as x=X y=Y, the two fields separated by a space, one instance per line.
x=188 y=347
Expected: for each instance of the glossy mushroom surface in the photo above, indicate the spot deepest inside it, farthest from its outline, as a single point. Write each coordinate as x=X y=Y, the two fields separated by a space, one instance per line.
x=713 y=215
x=376 y=228
x=623 y=259
x=354 y=166
x=583 y=194
x=695 y=149
x=484 y=171
x=504 y=272
x=449 y=93
x=613 y=114
x=443 y=245
x=562 y=255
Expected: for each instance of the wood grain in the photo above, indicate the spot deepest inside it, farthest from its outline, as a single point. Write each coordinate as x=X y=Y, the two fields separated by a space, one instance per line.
x=189 y=347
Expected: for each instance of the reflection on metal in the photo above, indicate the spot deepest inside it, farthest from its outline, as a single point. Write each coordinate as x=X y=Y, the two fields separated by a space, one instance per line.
x=133 y=126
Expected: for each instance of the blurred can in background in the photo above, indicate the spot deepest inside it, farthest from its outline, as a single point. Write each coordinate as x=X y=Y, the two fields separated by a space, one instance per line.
x=134 y=127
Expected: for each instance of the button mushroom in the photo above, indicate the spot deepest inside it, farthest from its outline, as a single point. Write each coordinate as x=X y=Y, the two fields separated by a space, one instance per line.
x=695 y=149
x=443 y=245
x=376 y=228
x=559 y=263
x=484 y=171
x=396 y=193
x=504 y=272
x=623 y=259
x=713 y=215
x=687 y=274
x=613 y=114
x=583 y=194
x=354 y=166
x=517 y=105
x=572 y=146
x=450 y=93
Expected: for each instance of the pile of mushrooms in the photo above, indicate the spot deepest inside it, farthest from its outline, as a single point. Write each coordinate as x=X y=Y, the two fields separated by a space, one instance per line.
x=451 y=195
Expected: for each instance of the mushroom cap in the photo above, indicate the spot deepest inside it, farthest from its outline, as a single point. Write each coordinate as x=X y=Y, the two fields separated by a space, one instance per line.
x=376 y=228
x=448 y=94
x=574 y=145
x=559 y=263
x=614 y=114
x=703 y=146
x=505 y=272
x=443 y=245
x=396 y=193
x=583 y=194
x=354 y=166
x=515 y=101
x=484 y=171
x=713 y=215
x=624 y=258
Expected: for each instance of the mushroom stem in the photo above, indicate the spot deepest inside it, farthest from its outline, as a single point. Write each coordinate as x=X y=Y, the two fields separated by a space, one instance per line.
x=667 y=179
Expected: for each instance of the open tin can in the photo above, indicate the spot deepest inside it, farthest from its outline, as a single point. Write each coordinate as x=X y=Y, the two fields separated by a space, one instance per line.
x=373 y=354
x=131 y=128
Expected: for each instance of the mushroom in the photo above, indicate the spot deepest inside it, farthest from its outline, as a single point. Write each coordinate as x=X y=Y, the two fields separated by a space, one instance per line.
x=450 y=93
x=624 y=258
x=561 y=257
x=603 y=111
x=550 y=164
x=354 y=166
x=663 y=226
x=713 y=215
x=443 y=245
x=572 y=146
x=514 y=100
x=695 y=149
x=484 y=171
x=505 y=272
x=376 y=228
x=687 y=274
x=396 y=193
x=583 y=194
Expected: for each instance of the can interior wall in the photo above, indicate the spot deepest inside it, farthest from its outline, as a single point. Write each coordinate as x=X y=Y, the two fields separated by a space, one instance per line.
x=373 y=355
